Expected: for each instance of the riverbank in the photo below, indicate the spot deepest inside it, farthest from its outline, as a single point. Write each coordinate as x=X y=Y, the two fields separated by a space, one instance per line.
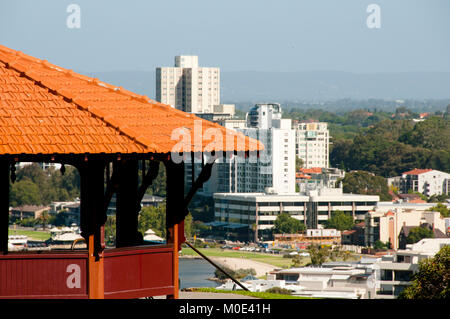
x=236 y=263
x=275 y=260
x=260 y=268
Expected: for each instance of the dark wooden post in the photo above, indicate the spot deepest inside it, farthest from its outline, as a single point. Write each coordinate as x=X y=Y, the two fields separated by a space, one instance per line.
x=4 y=205
x=175 y=213
x=127 y=204
x=93 y=218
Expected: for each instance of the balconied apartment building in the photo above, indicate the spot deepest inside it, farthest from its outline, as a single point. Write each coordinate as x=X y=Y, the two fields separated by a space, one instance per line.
x=187 y=86
x=274 y=168
x=425 y=181
x=312 y=143
x=257 y=212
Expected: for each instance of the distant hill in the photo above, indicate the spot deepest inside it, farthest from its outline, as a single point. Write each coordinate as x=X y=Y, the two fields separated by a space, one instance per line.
x=296 y=86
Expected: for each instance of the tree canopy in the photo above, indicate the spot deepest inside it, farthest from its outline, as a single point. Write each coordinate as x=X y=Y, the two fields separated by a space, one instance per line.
x=441 y=208
x=35 y=186
x=285 y=224
x=393 y=146
x=340 y=220
x=361 y=182
x=419 y=233
x=433 y=278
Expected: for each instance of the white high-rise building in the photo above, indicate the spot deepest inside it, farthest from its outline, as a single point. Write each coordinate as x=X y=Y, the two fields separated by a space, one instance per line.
x=188 y=87
x=312 y=144
x=275 y=167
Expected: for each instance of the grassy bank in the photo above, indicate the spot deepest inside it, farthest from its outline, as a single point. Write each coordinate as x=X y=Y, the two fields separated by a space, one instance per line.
x=33 y=235
x=261 y=295
x=275 y=260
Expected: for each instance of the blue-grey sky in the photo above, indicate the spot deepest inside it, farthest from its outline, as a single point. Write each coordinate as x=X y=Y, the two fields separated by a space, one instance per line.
x=235 y=35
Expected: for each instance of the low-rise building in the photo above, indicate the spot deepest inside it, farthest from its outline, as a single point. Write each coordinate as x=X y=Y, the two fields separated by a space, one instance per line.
x=355 y=236
x=386 y=221
x=28 y=211
x=396 y=270
x=258 y=211
x=426 y=181
x=344 y=280
x=405 y=232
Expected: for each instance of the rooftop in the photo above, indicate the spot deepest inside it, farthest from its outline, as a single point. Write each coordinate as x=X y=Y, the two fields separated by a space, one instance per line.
x=46 y=109
x=418 y=171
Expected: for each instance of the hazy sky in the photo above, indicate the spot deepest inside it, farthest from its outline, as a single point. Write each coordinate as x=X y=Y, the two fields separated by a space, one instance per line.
x=286 y=35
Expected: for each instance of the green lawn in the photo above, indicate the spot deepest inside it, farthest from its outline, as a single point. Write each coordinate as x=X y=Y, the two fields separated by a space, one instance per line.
x=275 y=260
x=261 y=295
x=33 y=235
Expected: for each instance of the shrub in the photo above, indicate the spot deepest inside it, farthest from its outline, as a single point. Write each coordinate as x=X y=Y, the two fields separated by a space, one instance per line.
x=278 y=290
x=220 y=275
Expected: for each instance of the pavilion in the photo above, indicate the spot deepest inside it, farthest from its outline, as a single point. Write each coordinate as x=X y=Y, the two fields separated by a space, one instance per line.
x=116 y=139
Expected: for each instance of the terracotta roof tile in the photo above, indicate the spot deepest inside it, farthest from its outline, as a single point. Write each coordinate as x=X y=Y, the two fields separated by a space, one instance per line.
x=48 y=109
x=417 y=171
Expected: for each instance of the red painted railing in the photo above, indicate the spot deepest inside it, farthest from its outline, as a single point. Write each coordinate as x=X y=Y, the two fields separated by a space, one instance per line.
x=131 y=272
x=135 y=272
x=43 y=275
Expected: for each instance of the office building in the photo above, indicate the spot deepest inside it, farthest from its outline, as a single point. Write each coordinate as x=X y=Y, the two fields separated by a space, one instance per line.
x=257 y=212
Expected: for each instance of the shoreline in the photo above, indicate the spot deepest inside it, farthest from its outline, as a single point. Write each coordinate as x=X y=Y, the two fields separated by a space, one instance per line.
x=233 y=263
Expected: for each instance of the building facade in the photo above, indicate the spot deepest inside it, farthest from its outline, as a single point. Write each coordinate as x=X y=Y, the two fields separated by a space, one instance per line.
x=312 y=144
x=187 y=86
x=387 y=220
x=275 y=166
x=426 y=181
x=396 y=270
x=258 y=211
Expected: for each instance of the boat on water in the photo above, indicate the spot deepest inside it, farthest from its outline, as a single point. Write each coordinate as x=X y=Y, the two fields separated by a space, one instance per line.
x=17 y=242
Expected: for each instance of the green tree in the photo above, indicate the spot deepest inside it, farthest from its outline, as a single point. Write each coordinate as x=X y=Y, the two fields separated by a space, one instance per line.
x=392 y=147
x=380 y=245
x=110 y=230
x=432 y=279
x=441 y=208
x=188 y=226
x=285 y=224
x=361 y=182
x=153 y=218
x=318 y=254
x=419 y=233
x=340 y=221
x=44 y=219
x=25 y=192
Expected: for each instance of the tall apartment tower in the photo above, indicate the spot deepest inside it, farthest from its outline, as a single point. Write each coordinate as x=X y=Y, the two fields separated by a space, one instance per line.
x=274 y=169
x=312 y=144
x=188 y=87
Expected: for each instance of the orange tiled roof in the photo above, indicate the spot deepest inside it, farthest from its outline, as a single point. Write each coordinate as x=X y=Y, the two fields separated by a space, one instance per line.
x=312 y=170
x=46 y=109
x=417 y=171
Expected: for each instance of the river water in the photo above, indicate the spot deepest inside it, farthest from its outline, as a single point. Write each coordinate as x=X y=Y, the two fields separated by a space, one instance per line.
x=195 y=273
